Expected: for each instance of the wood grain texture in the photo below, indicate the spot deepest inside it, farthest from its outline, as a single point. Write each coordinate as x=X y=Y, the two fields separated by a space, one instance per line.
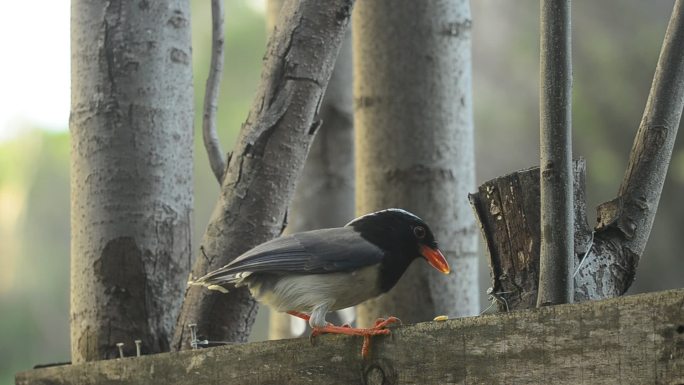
x=508 y=210
x=629 y=340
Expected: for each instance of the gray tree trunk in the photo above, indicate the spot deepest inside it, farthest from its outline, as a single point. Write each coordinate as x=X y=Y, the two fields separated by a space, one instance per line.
x=267 y=159
x=414 y=143
x=131 y=173
x=324 y=196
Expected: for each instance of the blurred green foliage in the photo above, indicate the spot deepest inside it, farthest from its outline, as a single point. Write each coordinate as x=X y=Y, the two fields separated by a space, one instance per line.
x=34 y=248
x=616 y=44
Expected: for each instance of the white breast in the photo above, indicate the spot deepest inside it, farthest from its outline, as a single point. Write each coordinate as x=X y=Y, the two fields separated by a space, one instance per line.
x=305 y=292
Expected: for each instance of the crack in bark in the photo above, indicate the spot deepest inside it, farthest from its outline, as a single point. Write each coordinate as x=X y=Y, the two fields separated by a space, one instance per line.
x=456 y=28
x=276 y=78
x=113 y=15
x=304 y=79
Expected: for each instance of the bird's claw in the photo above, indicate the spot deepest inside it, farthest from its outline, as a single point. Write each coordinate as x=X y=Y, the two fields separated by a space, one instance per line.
x=315 y=332
x=312 y=336
x=382 y=322
x=380 y=328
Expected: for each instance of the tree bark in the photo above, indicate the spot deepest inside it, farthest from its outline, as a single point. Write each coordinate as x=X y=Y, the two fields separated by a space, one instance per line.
x=414 y=143
x=266 y=161
x=555 y=112
x=131 y=173
x=324 y=195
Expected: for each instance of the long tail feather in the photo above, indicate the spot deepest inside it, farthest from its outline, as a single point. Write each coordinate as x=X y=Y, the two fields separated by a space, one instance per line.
x=218 y=280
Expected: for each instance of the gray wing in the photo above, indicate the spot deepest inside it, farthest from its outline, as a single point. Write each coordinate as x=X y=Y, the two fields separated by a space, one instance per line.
x=311 y=252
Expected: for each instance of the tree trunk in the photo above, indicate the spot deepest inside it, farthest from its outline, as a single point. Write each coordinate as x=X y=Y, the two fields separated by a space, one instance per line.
x=267 y=159
x=324 y=196
x=131 y=173
x=414 y=143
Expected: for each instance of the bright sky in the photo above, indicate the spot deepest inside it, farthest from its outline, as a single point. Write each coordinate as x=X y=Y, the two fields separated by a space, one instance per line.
x=34 y=69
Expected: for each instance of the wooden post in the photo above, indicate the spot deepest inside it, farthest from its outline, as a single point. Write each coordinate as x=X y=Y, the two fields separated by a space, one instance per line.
x=507 y=209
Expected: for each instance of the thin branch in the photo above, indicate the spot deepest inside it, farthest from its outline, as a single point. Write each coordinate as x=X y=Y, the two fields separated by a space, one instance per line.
x=556 y=257
x=217 y=158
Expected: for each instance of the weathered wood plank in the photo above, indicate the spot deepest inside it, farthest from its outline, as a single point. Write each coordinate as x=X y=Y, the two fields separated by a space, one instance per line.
x=630 y=340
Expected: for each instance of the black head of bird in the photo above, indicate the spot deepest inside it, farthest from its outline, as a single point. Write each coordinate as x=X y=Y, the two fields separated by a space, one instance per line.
x=311 y=273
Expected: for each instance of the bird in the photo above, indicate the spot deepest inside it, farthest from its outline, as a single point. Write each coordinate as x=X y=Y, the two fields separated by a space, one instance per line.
x=311 y=273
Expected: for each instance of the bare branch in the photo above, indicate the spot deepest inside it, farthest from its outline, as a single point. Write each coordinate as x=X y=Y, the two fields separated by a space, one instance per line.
x=217 y=158
x=556 y=258
x=268 y=157
x=633 y=211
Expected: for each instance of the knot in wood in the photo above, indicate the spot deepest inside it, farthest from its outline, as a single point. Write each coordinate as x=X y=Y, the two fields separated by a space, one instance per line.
x=379 y=373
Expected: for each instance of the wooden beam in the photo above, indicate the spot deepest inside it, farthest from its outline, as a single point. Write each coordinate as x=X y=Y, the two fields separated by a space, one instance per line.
x=629 y=340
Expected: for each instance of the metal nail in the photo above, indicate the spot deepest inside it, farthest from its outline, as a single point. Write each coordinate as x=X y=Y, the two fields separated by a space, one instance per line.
x=120 y=346
x=193 y=336
x=137 y=347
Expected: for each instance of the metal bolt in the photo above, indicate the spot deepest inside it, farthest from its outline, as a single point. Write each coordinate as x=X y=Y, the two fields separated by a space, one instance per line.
x=137 y=347
x=120 y=346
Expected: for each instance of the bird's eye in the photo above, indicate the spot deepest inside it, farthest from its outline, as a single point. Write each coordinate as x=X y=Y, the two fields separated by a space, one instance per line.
x=419 y=232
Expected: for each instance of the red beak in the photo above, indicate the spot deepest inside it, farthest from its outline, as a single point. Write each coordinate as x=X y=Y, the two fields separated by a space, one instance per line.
x=435 y=258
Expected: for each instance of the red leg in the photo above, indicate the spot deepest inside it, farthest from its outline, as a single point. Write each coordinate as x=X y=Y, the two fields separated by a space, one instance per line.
x=297 y=314
x=380 y=328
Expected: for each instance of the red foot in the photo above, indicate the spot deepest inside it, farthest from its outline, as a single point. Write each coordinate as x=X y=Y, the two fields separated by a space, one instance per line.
x=380 y=328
